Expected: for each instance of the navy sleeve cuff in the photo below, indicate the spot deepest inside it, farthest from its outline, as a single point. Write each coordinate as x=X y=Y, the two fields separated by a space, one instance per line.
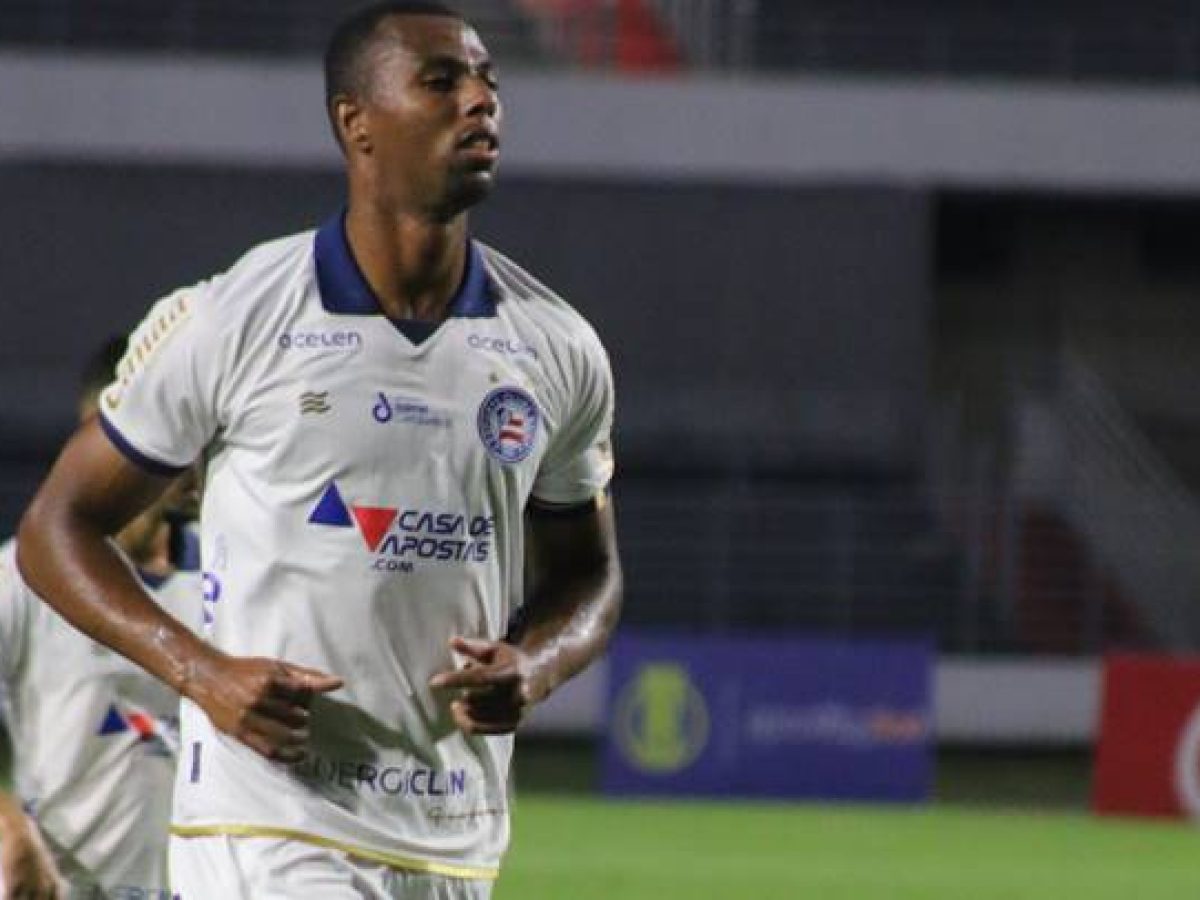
x=136 y=456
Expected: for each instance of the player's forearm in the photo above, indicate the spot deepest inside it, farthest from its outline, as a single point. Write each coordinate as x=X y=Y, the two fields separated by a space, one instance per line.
x=70 y=563
x=568 y=622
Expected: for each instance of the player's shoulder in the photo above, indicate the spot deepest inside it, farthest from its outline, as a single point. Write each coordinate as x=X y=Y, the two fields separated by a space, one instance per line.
x=267 y=270
x=270 y=259
x=534 y=305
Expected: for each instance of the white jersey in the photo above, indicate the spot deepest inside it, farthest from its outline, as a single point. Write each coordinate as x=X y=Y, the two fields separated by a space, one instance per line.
x=363 y=504
x=95 y=739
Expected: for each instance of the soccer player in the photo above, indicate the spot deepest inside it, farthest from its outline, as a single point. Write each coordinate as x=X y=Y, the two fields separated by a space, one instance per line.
x=394 y=418
x=95 y=737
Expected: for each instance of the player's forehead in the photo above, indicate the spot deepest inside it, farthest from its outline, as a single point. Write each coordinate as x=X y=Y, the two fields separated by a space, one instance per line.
x=417 y=40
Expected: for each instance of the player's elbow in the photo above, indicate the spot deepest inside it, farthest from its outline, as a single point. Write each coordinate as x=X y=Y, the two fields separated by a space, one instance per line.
x=33 y=539
x=45 y=531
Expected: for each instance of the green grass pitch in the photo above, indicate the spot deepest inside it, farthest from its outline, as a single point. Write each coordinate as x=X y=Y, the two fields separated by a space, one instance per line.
x=576 y=848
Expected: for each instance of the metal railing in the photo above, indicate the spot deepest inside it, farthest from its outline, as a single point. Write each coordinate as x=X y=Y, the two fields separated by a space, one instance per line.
x=1106 y=557
x=1036 y=522
x=713 y=34
x=961 y=44
x=738 y=553
x=744 y=554
x=1114 y=41
x=1131 y=506
x=1033 y=40
x=238 y=27
x=982 y=574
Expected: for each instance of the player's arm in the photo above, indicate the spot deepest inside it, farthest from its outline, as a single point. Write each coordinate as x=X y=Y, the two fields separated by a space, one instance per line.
x=564 y=625
x=65 y=556
x=27 y=870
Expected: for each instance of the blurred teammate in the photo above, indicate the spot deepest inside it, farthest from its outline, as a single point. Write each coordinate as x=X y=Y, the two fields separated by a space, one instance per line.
x=385 y=406
x=94 y=737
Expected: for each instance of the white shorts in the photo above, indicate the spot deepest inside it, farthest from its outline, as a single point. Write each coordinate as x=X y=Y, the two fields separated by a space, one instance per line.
x=267 y=868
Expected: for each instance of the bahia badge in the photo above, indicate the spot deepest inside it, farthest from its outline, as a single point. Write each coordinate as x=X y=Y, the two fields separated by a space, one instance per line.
x=508 y=424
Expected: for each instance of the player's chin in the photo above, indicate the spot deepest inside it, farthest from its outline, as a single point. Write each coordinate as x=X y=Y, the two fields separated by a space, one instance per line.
x=470 y=185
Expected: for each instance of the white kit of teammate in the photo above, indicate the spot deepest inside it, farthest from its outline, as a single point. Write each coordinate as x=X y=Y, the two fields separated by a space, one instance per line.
x=364 y=500
x=96 y=740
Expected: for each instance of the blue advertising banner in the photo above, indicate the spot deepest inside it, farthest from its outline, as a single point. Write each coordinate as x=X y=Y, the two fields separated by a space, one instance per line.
x=791 y=717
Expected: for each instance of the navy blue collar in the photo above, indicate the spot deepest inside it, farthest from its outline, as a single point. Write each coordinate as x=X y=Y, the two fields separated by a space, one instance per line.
x=345 y=291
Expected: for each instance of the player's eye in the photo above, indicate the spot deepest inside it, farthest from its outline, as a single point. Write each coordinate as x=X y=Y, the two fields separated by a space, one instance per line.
x=442 y=83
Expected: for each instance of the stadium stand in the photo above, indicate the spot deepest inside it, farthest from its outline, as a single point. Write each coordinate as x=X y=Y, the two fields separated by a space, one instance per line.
x=819 y=508
x=1060 y=40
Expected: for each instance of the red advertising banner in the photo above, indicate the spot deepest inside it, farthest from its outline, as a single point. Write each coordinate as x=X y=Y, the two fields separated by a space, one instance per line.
x=1148 y=757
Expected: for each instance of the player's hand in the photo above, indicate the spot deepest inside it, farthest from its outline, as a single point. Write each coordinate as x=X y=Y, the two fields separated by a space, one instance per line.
x=27 y=871
x=262 y=702
x=496 y=687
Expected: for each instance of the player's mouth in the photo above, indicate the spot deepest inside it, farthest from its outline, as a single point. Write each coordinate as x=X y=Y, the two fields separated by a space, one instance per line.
x=480 y=143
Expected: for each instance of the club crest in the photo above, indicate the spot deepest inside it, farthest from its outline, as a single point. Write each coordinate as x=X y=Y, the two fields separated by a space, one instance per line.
x=508 y=424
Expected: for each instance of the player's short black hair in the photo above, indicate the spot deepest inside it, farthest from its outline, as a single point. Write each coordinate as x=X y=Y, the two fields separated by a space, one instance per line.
x=101 y=367
x=347 y=49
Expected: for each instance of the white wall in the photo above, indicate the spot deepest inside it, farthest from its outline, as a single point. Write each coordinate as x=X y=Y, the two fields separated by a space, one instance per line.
x=919 y=133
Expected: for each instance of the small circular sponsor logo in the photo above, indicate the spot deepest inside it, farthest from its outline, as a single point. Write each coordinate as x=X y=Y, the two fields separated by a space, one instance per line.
x=661 y=720
x=508 y=424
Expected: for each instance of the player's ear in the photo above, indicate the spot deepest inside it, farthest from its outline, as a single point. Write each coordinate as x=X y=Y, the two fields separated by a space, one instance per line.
x=350 y=119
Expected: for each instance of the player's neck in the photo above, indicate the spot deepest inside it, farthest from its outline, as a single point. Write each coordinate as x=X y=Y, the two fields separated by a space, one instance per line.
x=413 y=266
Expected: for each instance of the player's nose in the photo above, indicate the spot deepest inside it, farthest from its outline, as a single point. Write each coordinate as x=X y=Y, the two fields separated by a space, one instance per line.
x=481 y=99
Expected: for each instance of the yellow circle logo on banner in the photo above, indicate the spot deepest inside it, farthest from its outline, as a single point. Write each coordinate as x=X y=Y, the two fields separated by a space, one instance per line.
x=662 y=721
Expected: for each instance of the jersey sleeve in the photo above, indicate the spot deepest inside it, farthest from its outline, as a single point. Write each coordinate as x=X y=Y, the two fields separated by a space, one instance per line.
x=164 y=406
x=578 y=464
x=14 y=616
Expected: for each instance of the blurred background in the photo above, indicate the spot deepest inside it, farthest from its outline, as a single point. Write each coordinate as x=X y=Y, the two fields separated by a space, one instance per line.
x=900 y=296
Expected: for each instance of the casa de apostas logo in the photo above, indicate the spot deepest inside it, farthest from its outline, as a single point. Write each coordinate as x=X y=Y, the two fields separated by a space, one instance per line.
x=400 y=538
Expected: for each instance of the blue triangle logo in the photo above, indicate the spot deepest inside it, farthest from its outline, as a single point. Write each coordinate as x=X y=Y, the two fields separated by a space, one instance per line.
x=331 y=510
x=113 y=722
